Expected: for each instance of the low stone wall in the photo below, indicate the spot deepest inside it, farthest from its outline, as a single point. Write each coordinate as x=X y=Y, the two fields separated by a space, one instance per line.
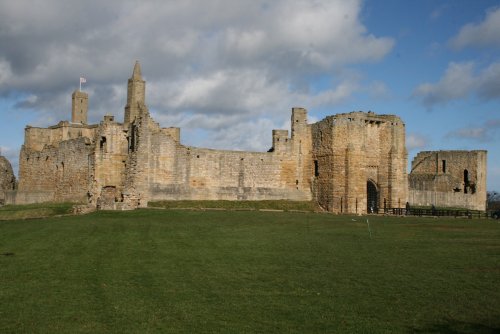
x=445 y=199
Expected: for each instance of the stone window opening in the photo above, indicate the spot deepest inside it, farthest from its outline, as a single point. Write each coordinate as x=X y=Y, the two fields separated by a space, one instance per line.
x=444 y=166
x=316 y=168
x=132 y=139
x=102 y=144
x=61 y=170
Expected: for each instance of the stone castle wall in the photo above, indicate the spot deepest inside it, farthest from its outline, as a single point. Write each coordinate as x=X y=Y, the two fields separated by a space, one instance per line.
x=7 y=178
x=449 y=179
x=160 y=168
x=354 y=149
x=37 y=138
x=55 y=173
x=349 y=163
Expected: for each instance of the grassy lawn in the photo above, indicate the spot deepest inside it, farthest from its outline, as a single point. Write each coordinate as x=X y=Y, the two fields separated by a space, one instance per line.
x=29 y=211
x=239 y=205
x=167 y=271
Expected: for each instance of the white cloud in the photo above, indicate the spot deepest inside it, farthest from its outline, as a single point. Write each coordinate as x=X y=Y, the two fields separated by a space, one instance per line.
x=438 y=12
x=483 y=34
x=5 y=72
x=487 y=132
x=456 y=83
x=416 y=141
x=233 y=61
x=379 y=90
x=470 y=133
x=489 y=82
x=461 y=81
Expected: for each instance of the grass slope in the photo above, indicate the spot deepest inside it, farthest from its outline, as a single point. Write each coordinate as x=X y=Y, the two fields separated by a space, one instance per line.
x=239 y=205
x=30 y=211
x=151 y=271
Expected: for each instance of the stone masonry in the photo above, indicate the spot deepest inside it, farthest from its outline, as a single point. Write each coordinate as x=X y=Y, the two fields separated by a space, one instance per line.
x=449 y=178
x=360 y=162
x=349 y=163
x=7 y=178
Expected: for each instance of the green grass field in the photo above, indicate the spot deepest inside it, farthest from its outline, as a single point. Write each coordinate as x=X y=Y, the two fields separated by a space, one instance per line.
x=167 y=271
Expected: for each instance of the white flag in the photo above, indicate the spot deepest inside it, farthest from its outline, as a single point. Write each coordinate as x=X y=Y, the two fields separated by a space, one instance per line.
x=83 y=80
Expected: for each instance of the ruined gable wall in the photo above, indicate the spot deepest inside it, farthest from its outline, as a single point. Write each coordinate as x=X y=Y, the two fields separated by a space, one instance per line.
x=437 y=178
x=302 y=150
x=54 y=173
x=7 y=178
x=351 y=149
x=141 y=154
x=324 y=167
x=36 y=138
x=109 y=163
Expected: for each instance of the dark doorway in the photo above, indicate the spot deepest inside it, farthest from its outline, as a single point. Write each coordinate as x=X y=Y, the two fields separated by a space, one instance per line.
x=466 y=181
x=371 y=197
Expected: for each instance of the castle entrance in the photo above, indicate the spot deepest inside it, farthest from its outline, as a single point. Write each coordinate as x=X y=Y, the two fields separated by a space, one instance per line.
x=371 y=197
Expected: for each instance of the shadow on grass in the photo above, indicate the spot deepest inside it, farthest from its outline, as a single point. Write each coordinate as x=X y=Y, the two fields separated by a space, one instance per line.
x=458 y=327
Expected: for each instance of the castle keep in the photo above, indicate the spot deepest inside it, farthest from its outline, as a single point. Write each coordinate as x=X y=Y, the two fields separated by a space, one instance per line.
x=349 y=163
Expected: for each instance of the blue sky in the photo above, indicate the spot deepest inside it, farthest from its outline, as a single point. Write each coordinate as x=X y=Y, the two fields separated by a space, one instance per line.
x=228 y=72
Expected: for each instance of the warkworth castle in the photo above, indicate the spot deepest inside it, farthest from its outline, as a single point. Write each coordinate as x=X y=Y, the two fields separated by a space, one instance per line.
x=348 y=163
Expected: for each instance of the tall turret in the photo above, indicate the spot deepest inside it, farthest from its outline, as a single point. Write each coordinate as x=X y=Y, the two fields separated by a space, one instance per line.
x=79 y=107
x=136 y=95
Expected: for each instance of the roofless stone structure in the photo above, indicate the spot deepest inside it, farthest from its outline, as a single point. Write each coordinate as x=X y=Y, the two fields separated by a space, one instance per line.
x=349 y=163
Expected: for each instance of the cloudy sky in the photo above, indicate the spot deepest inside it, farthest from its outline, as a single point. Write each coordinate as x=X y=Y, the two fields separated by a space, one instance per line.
x=228 y=72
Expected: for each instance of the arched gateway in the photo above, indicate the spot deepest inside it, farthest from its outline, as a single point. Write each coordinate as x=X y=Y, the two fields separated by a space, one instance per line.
x=371 y=197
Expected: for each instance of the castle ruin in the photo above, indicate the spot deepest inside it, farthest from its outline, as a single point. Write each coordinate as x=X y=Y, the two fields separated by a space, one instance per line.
x=449 y=179
x=7 y=178
x=349 y=163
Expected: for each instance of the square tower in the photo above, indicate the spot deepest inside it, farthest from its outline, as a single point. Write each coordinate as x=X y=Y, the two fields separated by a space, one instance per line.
x=79 y=107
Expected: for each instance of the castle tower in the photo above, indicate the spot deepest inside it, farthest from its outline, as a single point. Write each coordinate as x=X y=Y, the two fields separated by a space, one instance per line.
x=136 y=95
x=79 y=107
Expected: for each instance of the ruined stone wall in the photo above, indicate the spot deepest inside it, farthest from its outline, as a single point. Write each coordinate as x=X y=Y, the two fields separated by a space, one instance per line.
x=449 y=179
x=160 y=168
x=196 y=173
x=352 y=163
x=55 y=173
x=107 y=177
x=36 y=138
x=350 y=150
x=7 y=178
